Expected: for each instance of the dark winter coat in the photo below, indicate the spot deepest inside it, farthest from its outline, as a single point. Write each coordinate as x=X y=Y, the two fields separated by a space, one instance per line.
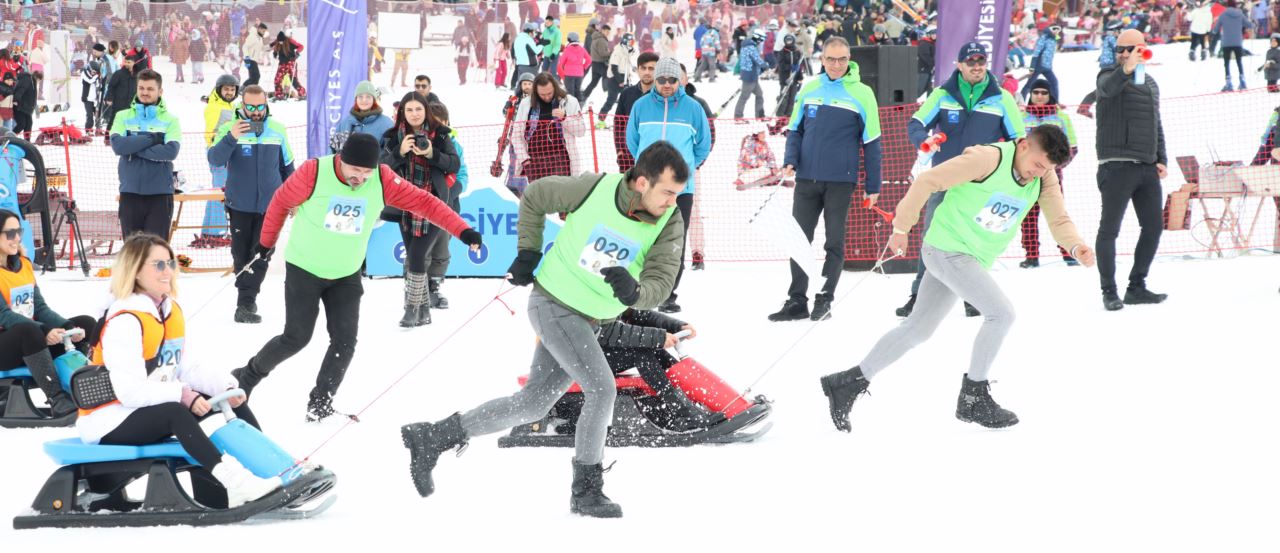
x=639 y=329
x=441 y=166
x=1129 y=125
x=924 y=49
x=256 y=164
x=120 y=91
x=995 y=115
x=24 y=94
x=1272 y=72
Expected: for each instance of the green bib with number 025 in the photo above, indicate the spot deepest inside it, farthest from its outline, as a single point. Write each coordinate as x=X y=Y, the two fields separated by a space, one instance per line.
x=331 y=230
x=594 y=237
x=980 y=217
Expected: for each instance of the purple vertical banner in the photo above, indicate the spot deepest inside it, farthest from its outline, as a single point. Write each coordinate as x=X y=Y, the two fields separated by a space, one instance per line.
x=337 y=59
x=963 y=21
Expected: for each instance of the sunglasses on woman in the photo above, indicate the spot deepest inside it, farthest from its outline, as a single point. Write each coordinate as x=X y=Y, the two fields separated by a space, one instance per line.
x=13 y=233
x=160 y=264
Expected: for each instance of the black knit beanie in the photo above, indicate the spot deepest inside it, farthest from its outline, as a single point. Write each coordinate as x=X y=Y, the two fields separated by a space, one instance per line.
x=361 y=150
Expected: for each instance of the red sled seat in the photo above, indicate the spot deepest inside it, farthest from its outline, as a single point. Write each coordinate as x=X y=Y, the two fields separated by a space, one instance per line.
x=627 y=384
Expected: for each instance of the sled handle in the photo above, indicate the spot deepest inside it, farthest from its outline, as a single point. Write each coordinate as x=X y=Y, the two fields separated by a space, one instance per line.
x=681 y=336
x=220 y=402
x=73 y=333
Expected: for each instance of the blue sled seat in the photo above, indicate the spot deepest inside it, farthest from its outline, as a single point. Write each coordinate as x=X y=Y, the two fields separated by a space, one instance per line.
x=20 y=372
x=73 y=451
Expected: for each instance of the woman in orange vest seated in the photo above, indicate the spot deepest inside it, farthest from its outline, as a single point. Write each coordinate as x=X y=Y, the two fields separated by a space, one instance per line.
x=160 y=390
x=31 y=332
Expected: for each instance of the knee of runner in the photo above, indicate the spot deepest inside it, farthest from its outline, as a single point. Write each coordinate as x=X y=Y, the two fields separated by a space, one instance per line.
x=30 y=335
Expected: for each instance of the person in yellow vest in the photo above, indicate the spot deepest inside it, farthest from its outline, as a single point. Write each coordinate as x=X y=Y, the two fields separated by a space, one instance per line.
x=338 y=199
x=30 y=332
x=990 y=189
x=161 y=389
x=620 y=247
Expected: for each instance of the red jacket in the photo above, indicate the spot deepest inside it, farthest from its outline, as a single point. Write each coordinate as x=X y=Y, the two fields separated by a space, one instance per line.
x=574 y=61
x=396 y=192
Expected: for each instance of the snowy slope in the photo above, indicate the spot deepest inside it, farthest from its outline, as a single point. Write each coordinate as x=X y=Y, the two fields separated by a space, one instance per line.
x=1150 y=429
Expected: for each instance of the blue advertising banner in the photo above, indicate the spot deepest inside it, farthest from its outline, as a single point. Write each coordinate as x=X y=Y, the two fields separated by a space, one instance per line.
x=487 y=211
x=337 y=59
x=962 y=21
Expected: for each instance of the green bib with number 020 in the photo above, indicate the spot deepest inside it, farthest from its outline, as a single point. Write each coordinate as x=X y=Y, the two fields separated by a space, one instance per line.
x=332 y=228
x=594 y=237
x=980 y=217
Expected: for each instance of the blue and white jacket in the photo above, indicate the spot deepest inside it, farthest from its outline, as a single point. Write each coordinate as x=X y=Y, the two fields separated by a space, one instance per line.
x=679 y=120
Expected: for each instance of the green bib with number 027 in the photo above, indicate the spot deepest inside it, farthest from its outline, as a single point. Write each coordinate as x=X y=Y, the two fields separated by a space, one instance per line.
x=331 y=230
x=594 y=237
x=980 y=217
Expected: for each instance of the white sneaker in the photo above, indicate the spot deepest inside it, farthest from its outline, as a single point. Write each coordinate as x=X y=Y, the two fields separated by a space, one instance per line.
x=242 y=486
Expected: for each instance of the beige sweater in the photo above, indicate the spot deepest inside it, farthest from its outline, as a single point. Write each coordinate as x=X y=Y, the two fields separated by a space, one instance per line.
x=977 y=163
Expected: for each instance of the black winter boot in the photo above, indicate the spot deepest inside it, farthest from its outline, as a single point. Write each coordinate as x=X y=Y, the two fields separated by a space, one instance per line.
x=821 y=307
x=45 y=374
x=1030 y=263
x=246 y=316
x=438 y=301
x=792 y=310
x=247 y=377
x=975 y=405
x=905 y=310
x=686 y=416
x=426 y=441
x=1111 y=301
x=588 y=498
x=415 y=300
x=1135 y=296
x=842 y=389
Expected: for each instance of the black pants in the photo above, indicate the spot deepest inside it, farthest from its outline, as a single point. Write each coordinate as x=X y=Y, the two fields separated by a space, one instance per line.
x=417 y=249
x=684 y=203
x=1227 y=52
x=831 y=200
x=520 y=70
x=652 y=364
x=574 y=86
x=1119 y=182
x=598 y=69
x=254 y=75
x=303 y=294
x=27 y=339
x=438 y=259
x=150 y=214
x=22 y=124
x=1197 y=40
x=154 y=423
x=246 y=230
x=89 y=110
x=613 y=89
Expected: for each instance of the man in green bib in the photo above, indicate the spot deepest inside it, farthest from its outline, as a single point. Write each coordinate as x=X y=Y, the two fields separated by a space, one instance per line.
x=620 y=247
x=989 y=190
x=336 y=201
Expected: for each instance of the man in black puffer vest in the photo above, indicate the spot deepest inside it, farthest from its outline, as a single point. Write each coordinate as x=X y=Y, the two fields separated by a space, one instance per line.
x=1131 y=163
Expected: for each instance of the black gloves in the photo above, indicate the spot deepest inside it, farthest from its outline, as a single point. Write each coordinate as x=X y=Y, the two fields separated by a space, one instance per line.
x=470 y=237
x=521 y=270
x=625 y=287
x=263 y=252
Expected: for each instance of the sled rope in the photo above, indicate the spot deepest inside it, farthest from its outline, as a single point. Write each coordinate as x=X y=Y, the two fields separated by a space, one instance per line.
x=349 y=420
x=879 y=266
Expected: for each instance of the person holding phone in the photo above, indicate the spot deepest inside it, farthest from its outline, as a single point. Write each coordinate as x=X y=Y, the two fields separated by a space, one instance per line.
x=256 y=153
x=30 y=331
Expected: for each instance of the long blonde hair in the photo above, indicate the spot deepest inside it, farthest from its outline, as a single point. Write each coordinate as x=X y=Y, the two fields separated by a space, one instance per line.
x=132 y=259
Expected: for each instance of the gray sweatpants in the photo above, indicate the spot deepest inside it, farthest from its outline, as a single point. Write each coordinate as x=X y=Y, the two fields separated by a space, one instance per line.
x=747 y=90
x=567 y=353
x=948 y=275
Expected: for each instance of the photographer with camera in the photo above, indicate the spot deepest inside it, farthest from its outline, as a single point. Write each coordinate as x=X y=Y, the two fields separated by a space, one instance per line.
x=256 y=153
x=420 y=150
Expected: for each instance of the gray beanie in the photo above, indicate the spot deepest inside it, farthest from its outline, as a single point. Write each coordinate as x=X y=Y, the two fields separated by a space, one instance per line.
x=573 y=37
x=667 y=67
x=526 y=76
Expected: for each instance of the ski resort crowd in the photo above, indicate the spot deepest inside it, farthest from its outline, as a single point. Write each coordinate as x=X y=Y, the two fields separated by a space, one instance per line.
x=603 y=296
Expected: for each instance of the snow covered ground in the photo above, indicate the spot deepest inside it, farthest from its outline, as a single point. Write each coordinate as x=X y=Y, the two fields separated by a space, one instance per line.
x=1150 y=429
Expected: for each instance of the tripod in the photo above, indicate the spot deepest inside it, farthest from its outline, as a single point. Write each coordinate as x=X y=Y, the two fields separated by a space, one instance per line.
x=68 y=215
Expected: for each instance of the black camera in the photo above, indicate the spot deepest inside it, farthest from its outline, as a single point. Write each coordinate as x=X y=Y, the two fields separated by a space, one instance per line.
x=421 y=141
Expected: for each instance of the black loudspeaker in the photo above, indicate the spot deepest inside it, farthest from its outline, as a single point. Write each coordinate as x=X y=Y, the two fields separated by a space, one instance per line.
x=891 y=71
